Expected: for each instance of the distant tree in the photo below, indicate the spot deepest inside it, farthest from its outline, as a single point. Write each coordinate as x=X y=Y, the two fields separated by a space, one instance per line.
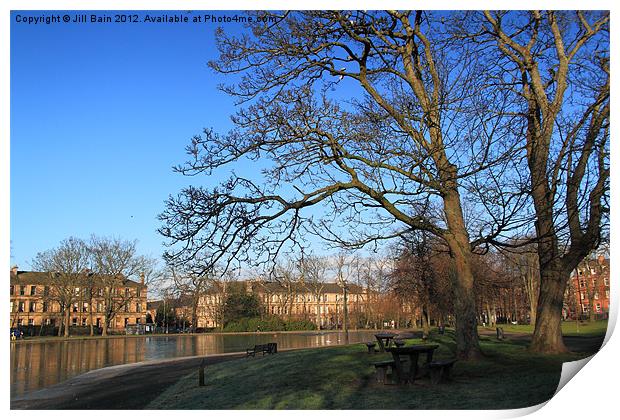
x=114 y=262
x=67 y=267
x=313 y=271
x=287 y=277
x=191 y=287
x=239 y=304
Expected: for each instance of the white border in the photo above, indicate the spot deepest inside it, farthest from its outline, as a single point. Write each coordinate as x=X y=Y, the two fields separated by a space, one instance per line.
x=590 y=395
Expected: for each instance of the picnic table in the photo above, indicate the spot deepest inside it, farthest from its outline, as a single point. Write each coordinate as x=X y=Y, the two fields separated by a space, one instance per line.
x=414 y=354
x=384 y=340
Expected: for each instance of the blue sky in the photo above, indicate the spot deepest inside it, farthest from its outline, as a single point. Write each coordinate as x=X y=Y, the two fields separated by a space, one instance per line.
x=99 y=115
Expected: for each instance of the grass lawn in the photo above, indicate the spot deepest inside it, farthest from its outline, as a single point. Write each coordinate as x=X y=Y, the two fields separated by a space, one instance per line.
x=343 y=378
x=597 y=328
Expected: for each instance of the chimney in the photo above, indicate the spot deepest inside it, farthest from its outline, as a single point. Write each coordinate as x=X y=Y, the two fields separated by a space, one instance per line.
x=14 y=270
x=142 y=278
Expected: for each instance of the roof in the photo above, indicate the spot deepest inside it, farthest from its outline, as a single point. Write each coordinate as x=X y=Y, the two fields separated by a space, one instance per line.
x=276 y=287
x=44 y=278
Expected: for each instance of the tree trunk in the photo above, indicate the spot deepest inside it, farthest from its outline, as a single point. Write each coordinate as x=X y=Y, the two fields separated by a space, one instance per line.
x=67 y=315
x=426 y=321
x=467 y=346
x=90 y=313
x=346 y=318
x=104 y=328
x=547 y=337
x=60 y=322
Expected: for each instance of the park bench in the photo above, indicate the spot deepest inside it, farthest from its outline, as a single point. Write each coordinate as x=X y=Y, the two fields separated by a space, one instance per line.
x=371 y=346
x=269 y=348
x=382 y=370
x=439 y=370
x=399 y=343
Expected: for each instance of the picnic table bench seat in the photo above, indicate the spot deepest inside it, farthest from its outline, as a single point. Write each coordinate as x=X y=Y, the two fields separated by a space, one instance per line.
x=440 y=370
x=269 y=348
x=382 y=370
x=371 y=346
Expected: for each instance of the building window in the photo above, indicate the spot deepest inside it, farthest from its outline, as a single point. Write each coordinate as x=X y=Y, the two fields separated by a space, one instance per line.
x=138 y=292
x=85 y=307
x=32 y=307
x=582 y=283
x=83 y=322
x=598 y=308
x=48 y=321
x=607 y=293
x=75 y=307
x=137 y=320
x=138 y=307
x=606 y=281
x=98 y=322
x=126 y=307
x=126 y=321
x=46 y=291
x=595 y=295
x=74 y=322
x=582 y=295
x=45 y=307
x=19 y=322
x=22 y=290
x=30 y=321
x=126 y=291
x=33 y=290
x=12 y=290
x=21 y=306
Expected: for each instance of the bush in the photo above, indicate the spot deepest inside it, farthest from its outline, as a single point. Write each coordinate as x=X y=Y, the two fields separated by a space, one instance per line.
x=272 y=323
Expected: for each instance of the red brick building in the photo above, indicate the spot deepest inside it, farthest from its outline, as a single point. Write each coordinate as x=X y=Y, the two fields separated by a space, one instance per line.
x=587 y=296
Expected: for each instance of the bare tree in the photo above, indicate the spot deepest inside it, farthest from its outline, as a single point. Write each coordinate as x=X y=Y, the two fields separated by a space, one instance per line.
x=191 y=286
x=343 y=272
x=557 y=64
x=67 y=266
x=114 y=262
x=313 y=273
x=407 y=140
x=287 y=277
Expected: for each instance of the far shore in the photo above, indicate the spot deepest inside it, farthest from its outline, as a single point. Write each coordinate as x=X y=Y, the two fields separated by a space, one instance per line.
x=111 y=336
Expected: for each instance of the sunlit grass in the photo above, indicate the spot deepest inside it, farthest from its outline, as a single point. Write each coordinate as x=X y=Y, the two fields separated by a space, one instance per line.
x=568 y=328
x=343 y=378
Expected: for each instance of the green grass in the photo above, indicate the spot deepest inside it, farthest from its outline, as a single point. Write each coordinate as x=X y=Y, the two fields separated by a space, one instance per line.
x=344 y=378
x=568 y=328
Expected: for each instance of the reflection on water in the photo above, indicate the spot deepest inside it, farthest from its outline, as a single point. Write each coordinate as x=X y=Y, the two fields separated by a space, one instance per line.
x=36 y=365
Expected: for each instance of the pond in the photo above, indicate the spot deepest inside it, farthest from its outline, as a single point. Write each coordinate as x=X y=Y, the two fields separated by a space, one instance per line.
x=40 y=364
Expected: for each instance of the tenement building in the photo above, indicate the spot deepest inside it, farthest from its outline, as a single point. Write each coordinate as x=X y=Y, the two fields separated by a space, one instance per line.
x=321 y=303
x=588 y=292
x=40 y=299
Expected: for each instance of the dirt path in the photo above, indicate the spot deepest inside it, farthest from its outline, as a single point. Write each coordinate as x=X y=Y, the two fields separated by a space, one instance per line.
x=124 y=387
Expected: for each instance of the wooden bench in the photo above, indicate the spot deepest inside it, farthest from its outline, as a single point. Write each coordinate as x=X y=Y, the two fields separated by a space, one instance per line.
x=399 y=343
x=269 y=348
x=440 y=370
x=382 y=370
x=371 y=346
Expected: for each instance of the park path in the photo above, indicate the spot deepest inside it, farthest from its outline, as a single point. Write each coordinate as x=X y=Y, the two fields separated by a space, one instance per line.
x=122 y=387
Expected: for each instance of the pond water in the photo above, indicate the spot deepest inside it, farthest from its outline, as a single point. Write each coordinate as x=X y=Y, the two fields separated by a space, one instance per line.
x=36 y=365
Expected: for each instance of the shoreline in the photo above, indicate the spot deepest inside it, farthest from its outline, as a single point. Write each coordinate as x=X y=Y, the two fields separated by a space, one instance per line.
x=98 y=337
